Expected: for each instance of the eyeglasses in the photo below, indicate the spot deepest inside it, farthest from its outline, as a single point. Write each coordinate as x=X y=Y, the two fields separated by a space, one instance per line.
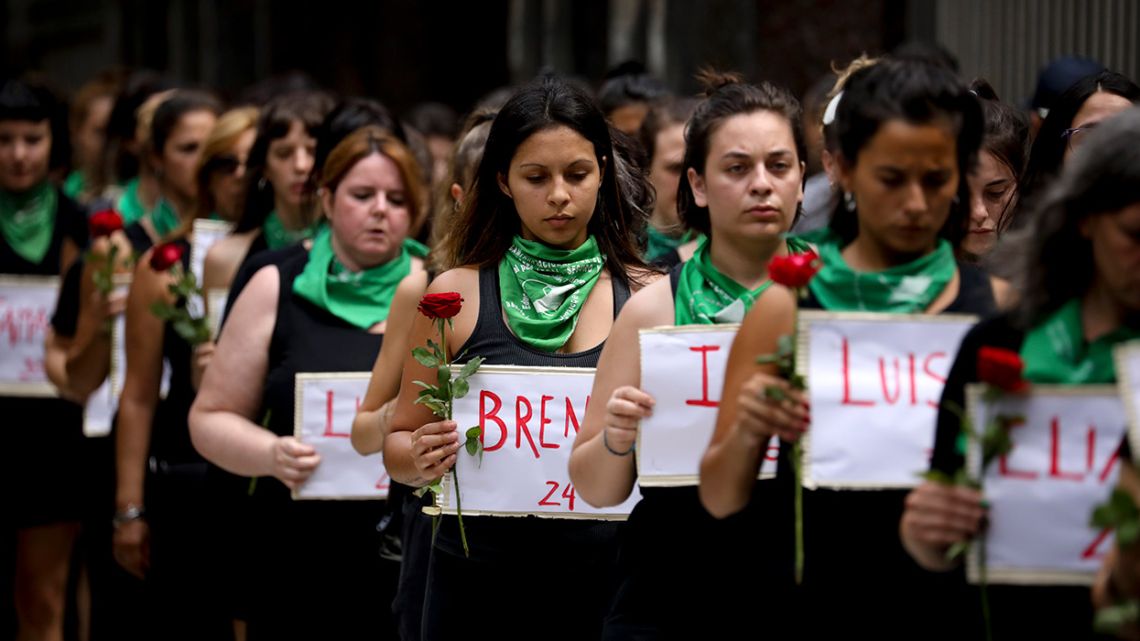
x=1075 y=136
x=226 y=164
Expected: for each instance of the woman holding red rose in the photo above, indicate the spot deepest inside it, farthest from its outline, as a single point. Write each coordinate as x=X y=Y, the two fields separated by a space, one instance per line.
x=743 y=188
x=1081 y=296
x=908 y=134
x=324 y=310
x=546 y=209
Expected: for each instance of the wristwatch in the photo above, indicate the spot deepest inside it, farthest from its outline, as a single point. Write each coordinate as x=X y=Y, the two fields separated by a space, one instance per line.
x=130 y=513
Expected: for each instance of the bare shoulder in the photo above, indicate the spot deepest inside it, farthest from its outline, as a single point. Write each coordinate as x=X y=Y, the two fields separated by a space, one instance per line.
x=651 y=306
x=232 y=248
x=776 y=306
x=641 y=278
x=1004 y=294
x=461 y=279
x=414 y=284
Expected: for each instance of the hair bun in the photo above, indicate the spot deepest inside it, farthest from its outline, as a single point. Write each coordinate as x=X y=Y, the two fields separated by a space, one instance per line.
x=712 y=80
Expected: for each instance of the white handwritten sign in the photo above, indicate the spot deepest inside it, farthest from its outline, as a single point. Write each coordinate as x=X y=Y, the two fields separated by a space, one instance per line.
x=326 y=404
x=529 y=416
x=1128 y=383
x=100 y=411
x=203 y=236
x=874 y=383
x=1063 y=463
x=683 y=368
x=26 y=305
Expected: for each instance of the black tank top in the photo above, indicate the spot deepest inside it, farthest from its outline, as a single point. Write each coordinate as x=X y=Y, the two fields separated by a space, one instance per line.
x=503 y=538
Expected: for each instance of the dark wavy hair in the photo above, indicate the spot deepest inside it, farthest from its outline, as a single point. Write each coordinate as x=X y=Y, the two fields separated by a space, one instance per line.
x=482 y=231
x=919 y=93
x=1048 y=150
x=1006 y=138
x=727 y=95
x=1102 y=176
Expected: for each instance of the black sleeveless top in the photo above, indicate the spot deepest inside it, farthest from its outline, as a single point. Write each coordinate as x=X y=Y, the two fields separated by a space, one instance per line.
x=502 y=538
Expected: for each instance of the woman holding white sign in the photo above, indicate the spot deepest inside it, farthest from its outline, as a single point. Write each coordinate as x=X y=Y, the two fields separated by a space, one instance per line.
x=908 y=134
x=1081 y=297
x=324 y=310
x=742 y=191
x=547 y=221
x=42 y=232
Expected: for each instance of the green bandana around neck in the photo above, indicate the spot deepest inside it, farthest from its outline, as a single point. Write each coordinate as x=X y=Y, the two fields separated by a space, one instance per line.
x=542 y=289
x=129 y=205
x=705 y=296
x=903 y=289
x=1055 y=350
x=163 y=218
x=27 y=221
x=74 y=185
x=416 y=248
x=660 y=244
x=359 y=298
x=277 y=236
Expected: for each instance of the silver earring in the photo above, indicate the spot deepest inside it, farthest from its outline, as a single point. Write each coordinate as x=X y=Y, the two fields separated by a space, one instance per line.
x=956 y=199
x=848 y=201
x=261 y=183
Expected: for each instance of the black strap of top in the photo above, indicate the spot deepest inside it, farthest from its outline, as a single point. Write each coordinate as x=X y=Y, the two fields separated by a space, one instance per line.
x=675 y=279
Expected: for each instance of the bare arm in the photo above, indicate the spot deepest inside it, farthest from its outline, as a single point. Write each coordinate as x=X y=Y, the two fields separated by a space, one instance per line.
x=88 y=359
x=55 y=365
x=599 y=476
x=747 y=420
x=373 y=419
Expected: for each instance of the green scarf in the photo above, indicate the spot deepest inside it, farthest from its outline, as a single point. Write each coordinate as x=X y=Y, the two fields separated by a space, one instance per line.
x=129 y=205
x=543 y=289
x=903 y=289
x=74 y=185
x=1055 y=350
x=661 y=244
x=358 y=298
x=277 y=236
x=705 y=296
x=163 y=218
x=27 y=221
x=416 y=248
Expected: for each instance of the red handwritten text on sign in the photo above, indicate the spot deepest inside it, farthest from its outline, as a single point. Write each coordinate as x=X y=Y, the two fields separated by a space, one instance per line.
x=328 y=404
x=26 y=306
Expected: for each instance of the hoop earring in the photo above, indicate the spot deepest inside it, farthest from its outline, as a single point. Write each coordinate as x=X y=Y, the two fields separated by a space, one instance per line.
x=261 y=183
x=848 y=201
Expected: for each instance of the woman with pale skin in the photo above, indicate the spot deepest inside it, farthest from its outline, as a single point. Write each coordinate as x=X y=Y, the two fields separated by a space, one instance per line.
x=662 y=135
x=545 y=191
x=744 y=185
x=908 y=132
x=90 y=111
x=1080 y=284
x=296 y=317
x=42 y=232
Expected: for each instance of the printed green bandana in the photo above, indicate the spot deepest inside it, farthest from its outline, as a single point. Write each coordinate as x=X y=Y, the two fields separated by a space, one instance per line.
x=661 y=244
x=543 y=289
x=1055 y=351
x=277 y=236
x=74 y=185
x=129 y=205
x=359 y=298
x=27 y=221
x=903 y=289
x=163 y=218
x=705 y=296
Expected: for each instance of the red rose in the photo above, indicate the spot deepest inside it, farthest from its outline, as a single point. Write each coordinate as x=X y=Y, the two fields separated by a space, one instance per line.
x=442 y=305
x=165 y=256
x=794 y=270
x=104 y=222
x=1001 y=368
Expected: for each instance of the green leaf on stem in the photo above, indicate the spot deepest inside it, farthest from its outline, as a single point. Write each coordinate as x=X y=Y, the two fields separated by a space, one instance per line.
x=470 y=367
x=768 y=359
x=162 y=311
x=1112 y=619
x=774 y=393
x=957 y=550
x=425 y=358
x=459 y=388
x=185 y=329
x=1119 y=512
x=474 y=445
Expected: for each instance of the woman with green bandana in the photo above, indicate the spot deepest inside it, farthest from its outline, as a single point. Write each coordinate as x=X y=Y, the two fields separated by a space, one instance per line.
x=744 y=184
x=548 y=253
x=42 y=233
x=662 y=135
x=319 y=311
x=1080 y=297
x=908 y=135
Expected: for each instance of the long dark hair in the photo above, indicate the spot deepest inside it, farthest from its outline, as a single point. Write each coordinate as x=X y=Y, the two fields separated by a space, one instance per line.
x=1048 y=150
x=726 y=96
x=916 y=92
x=483 y=229
x=1102 y=176
x=306 y=107
x=1006 y=138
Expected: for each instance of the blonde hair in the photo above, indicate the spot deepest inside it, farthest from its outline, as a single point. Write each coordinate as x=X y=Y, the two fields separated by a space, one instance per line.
x=144 y=119
x=229 y=127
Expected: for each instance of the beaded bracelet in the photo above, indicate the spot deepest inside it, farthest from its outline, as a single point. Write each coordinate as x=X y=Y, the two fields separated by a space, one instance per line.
x=606 y=442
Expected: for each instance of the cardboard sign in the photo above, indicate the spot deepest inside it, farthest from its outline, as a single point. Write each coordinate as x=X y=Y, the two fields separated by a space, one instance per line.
x=683 y=368
x=874 y=383
x=215 y=307
x=202 y=237
x=1064 y=462
x=100 y=411
x=529 y=416
x=326 y=404
x=1128 y=384
x=26 y=306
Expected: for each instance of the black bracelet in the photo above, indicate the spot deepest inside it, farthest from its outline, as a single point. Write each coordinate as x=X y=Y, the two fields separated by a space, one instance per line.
x=606 y=442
